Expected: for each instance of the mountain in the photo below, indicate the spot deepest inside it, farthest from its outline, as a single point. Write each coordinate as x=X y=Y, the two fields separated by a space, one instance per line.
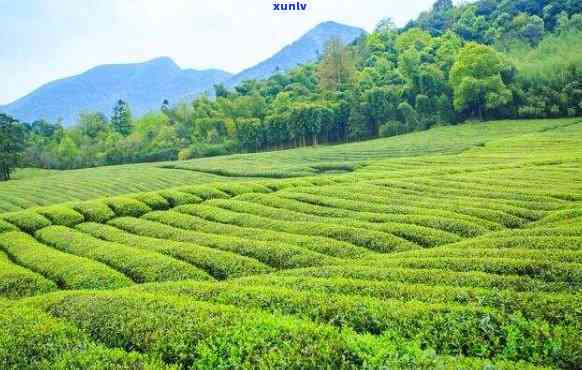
x=143 y=85
x=304 y=50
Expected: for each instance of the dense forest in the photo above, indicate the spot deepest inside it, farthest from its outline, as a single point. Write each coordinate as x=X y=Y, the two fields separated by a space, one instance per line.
x=486 y=60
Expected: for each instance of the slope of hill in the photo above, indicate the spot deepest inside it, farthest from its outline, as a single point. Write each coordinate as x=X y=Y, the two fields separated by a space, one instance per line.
x=466 y=260
x=361 y=157
x=143 y=85
x=305 y=49
x=146 y=85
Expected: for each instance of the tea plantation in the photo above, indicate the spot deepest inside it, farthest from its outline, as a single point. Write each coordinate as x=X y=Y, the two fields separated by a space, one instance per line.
x=454 y=248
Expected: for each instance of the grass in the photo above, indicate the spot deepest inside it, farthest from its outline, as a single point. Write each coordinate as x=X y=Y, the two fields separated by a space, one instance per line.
x=458 y=247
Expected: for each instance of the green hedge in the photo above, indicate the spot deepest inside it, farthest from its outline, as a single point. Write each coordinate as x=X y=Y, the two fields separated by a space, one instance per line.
x=232 y=212
x=204 y=192
x=123 y=206
x=219 y=264
x=187 y=221
x=94 y=211
x=431 y=277
x=31 y=339
x=552 y=307
x=234 y=188
x=67 y=270
x=141 y=266
x=27 y=221
x=289 y=209
x=448 y=328
x=6 y=226
x=202 y=335
x=276 y=255
x=60 y=215
x=16 y=281
x=360 y=201
x=568 y=273
x=177 y=198
x=152 y=200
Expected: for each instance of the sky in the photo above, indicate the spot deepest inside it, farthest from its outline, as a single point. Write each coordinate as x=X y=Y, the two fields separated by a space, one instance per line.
x=44 y=40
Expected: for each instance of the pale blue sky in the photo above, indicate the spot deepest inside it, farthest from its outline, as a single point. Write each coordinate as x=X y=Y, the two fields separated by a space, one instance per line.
x=43 y=40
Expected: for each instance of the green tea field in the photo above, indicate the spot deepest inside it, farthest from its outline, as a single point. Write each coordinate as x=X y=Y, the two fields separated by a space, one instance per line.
x=459 y=247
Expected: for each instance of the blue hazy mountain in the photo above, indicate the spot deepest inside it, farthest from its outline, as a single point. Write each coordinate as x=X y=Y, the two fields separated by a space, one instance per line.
x=304 y=50
x=145 y=85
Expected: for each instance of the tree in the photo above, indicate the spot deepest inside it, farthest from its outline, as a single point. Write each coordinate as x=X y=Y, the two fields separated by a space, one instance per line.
x=408 y=116
x=476 y=80
x=121 y=118
x=92 y=124
x=11 y=145
x=337 y=68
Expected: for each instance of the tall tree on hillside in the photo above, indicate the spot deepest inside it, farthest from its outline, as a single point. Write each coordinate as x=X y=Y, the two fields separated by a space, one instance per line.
x=337 y=68
x=11 y=145
x=121 y=118
x=476 y=79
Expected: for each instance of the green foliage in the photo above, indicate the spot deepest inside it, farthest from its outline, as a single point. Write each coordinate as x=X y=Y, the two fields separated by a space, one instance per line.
x=121 y=118
x=219 y=264
x=17 y=281
x=28 y=221
x=11 y=145
x=94 y=211
x=152 y=200
x=124 y=206
x=59 y=215
x=32 y=339
x=477 y=82
x=278 y=255
x=139 y=265
x=181 y=334
x=66 y=270
x=5 y=226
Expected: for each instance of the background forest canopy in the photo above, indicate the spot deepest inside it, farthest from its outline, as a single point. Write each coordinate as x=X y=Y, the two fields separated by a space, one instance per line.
x=490 y=59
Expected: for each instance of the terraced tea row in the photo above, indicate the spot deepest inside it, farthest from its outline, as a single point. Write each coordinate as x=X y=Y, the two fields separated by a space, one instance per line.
x=465 y=261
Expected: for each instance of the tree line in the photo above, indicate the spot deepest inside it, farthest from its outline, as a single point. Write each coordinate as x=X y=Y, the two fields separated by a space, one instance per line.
x=486 y=60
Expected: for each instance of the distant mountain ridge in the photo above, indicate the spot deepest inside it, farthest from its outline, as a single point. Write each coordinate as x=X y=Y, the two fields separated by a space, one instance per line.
x=306 y=49
x=145 y=85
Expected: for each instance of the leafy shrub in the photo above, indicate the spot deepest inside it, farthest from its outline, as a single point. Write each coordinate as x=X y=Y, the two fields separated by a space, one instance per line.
x=27 y=221
x=227 y=211
x=139 y=265
x=59 y=215
x=178 y=330
x=568 y=273
x=554 y=308
x=152 y=200
x=185 y=220
x=5 y=226
x=177 y=198
x=67 y=270
x=123 y=206
x=392 y=128
x=300 y=211
x=233 y=189
x=16 y=281
x=219 y=264
x=276 y=255
x=31 y=339
x=204 y=192
x=430 y=277
x=94 y=211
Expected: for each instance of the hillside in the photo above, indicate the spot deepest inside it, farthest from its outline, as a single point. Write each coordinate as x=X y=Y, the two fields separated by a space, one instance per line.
x=306 y=49
x=146 y=85
x=449 y=255
x=143 y=85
